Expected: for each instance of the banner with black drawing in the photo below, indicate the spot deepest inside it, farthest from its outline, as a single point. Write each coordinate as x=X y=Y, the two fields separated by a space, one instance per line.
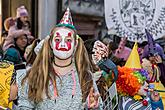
x=130 y=18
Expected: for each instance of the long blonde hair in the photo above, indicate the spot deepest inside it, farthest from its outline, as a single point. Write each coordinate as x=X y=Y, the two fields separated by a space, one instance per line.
x=84 y=68
x=42 y=69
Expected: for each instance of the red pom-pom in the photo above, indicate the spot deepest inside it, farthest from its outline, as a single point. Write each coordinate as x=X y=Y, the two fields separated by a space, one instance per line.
x=145 y=102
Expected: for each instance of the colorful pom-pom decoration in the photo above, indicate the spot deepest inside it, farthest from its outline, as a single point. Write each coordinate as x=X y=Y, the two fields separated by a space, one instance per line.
x=129 y=81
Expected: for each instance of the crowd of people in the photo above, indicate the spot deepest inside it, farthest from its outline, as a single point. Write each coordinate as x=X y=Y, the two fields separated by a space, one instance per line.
x=63 y=72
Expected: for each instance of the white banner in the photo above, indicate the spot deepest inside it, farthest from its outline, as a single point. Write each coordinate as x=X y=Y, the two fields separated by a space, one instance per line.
x=131 y=17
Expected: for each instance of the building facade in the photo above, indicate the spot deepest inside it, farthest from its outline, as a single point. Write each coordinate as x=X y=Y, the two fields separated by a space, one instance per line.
x=88 y=15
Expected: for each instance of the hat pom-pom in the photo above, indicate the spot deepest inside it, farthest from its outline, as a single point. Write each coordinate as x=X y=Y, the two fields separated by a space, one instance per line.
x=22 y=7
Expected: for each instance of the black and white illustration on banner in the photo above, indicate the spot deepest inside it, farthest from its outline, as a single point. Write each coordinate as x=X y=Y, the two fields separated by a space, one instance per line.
x=131 y=17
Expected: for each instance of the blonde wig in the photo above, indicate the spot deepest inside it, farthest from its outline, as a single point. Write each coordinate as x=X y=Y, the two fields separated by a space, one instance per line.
x=42 y=70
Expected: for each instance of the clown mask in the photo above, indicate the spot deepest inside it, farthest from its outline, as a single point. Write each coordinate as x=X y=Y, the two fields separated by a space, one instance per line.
x=63 y=43
x=143 y=89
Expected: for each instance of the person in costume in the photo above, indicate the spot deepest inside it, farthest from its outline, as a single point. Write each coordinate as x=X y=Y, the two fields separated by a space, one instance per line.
x=101 y=64
x=109 y=73
x=17 y=26
x=60 y=77
x=103 y=68
x=112 y=46
x=123 y=51
x=152 y=62
x=89 y=47
x=100 y=58
x=132 y=85
x=156 y=101
x=154 y=53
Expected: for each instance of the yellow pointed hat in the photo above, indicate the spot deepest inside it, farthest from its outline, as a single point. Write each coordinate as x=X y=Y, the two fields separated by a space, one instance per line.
x=134 y=59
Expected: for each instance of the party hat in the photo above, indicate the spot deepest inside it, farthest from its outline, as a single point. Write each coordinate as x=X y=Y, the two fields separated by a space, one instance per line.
x=134 y=59
x=151 y=43
x=66 y=20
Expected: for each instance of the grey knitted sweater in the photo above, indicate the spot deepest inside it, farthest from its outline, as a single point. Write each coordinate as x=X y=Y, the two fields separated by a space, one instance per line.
x=64 y=101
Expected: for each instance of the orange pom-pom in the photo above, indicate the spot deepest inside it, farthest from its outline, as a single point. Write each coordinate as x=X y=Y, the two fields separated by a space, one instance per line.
x=127 y=83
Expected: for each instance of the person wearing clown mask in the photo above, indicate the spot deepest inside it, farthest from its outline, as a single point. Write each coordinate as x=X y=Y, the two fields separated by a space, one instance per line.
x=153 y=57
x=104 y=70
x=60 y=77
x=131 y=84
x=63 y=44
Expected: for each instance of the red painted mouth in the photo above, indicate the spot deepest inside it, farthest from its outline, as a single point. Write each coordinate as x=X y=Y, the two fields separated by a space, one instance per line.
x=156 y=94
x=63 y=49
x=146 y=90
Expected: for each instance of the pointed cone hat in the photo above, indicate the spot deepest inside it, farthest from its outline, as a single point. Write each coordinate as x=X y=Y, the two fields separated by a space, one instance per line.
x=134 y=59
x=66 y=20
x=151 y=43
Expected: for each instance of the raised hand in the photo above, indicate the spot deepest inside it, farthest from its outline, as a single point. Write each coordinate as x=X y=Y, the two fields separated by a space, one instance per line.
x=158 y=59
x=93 y=99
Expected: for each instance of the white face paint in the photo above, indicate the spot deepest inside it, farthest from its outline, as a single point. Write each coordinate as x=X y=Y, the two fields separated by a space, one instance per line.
x=142 y=91
x=63 y=43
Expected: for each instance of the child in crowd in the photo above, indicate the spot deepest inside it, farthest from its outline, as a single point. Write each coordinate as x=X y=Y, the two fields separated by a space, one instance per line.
x=17 y=26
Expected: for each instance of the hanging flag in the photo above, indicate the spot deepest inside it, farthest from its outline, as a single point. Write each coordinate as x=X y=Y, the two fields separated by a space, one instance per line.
x=131 y=17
